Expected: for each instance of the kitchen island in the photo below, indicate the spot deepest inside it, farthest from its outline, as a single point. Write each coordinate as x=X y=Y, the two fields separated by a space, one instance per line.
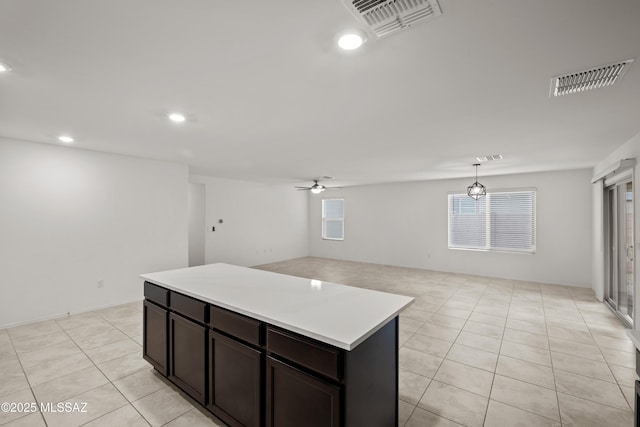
x=265 y=349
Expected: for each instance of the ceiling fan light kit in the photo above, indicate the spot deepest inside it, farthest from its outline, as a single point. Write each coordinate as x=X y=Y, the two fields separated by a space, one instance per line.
x=318 y=188
x=476 y=190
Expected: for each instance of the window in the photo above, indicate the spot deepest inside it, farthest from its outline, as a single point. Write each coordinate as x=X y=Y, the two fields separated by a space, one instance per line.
x=500 y=221
x=333 y=219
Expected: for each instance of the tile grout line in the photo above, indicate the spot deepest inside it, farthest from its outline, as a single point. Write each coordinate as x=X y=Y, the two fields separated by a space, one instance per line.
x=586 y=376
x=95 y=365
x=605 y=360
x=28 y=382
x=555 y=383
x=450 y=298
x=546 y=296
x=439 y=365
x=493 y=379
x=128 y=403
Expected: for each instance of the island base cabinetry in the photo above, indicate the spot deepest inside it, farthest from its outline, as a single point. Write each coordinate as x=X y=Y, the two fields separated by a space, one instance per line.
x=249 y=373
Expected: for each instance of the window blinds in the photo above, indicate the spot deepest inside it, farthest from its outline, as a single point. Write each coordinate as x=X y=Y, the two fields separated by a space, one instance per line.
x=333 y=219
x=500 y=221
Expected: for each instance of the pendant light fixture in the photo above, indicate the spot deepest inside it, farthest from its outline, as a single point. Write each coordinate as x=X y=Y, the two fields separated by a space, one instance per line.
x=476 y=190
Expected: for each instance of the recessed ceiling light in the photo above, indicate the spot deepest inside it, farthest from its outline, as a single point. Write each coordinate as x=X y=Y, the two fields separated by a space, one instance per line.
x=66 y=139
x=177 y=117
x=4 y=68
x=351 y=40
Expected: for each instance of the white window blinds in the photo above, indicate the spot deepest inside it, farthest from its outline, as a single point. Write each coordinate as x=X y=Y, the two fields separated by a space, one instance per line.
x=500 y=221
x=333 y=219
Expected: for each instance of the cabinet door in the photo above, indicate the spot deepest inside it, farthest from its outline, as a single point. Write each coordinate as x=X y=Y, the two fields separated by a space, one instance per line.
x=187 y=356
x=234 y=381
x=295 y=398
x=155 y=324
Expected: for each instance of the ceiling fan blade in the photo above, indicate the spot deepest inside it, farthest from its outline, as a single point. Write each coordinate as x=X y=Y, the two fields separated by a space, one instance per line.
x=317 y=187
x=333 y=188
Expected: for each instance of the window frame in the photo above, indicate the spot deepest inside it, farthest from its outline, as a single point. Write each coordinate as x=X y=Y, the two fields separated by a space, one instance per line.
x=325 y=220
x=488 y=221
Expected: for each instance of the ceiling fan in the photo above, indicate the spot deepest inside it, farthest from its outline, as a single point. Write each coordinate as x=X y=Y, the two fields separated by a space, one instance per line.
x=318 y=188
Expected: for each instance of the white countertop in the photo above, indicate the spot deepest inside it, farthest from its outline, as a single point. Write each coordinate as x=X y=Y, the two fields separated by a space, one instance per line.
x=339 y=315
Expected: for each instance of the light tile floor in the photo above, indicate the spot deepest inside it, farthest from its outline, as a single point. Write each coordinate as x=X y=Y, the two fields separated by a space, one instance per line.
x=477 y=351
x=94 y=357
x=474 y=351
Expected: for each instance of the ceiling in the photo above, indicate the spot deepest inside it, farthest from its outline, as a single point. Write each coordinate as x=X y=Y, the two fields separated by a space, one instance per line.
x=269 y=97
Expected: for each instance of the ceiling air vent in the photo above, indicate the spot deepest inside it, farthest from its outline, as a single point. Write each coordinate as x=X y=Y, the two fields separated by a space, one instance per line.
x=489 y=157
x=594 y=78
x=385 y=17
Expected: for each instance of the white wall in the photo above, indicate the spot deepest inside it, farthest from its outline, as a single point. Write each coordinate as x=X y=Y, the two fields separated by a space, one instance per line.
x=69 y=218
x=629 y=150
x=261 y=223
x=406 y=225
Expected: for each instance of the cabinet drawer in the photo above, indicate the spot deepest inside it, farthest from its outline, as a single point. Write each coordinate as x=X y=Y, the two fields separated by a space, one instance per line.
x=315 y=356
x=189 y=307
x=156 y=294
x=237 y=325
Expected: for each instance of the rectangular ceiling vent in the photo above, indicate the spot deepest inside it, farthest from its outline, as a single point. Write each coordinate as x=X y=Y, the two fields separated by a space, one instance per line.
x=594 y=78
x=385 y=17
x=489 y=157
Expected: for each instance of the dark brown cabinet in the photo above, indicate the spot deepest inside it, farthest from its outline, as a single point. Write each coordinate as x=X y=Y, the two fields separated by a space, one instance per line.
x=154 y=349
x=187 y=356
x=295 y=398
x=254 y=374
x=360 y=385
x=235 y=381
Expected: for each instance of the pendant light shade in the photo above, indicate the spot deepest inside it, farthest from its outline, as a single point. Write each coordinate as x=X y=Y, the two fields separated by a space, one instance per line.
x=476 y=190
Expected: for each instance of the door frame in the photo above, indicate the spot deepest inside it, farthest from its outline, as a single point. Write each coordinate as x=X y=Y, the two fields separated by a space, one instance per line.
x=611 y=231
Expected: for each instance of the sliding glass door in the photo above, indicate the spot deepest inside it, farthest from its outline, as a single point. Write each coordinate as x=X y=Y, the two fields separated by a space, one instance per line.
x=618 y=200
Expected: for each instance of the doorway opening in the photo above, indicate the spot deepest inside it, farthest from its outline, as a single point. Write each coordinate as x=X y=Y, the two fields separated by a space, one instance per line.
x=197 y=199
